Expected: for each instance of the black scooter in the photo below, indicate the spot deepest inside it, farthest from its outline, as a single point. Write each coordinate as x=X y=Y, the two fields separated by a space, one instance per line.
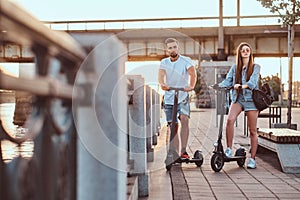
x=219 y=158
x=172 y=155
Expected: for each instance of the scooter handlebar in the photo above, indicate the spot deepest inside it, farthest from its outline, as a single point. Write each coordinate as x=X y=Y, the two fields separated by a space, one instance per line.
x=174 y=88
x=217 y=87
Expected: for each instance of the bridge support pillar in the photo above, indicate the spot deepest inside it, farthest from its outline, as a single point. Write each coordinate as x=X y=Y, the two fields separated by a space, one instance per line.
x=221 y=54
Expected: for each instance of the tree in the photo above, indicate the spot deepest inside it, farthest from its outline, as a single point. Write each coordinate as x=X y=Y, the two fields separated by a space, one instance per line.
x=198 y=85
x=274 y=82
x=289 y=12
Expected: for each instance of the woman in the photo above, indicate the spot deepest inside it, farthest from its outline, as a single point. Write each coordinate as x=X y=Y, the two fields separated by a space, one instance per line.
x=244 y=77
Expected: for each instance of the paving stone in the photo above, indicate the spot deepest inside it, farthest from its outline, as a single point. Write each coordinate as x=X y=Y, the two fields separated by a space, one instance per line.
x=266 y=182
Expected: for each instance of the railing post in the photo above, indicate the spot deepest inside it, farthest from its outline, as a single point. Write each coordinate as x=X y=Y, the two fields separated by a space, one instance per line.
x=138 y=134
x=150 y=151
x=154 y=117
x=102 y=119
x=158 y=112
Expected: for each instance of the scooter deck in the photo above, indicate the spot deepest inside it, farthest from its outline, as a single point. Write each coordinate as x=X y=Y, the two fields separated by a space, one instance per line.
x=233 y=158
x=188 y=160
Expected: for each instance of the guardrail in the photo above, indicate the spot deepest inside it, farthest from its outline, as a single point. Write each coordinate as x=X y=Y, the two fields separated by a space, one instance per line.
x=51 y=172
x=79 y=116
x=143 y=129
x=191 y=22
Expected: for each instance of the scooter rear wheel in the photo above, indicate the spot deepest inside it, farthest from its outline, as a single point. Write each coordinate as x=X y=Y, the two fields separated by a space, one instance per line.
x=217 y=162
x=241 y=152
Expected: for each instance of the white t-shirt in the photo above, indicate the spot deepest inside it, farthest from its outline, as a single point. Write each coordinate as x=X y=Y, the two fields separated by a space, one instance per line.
x=176 y=76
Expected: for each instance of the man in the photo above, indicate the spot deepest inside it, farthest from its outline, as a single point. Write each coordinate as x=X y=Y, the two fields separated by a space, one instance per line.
x=177 y=71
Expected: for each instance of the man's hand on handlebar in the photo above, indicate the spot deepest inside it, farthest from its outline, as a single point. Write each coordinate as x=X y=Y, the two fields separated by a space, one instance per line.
x=188 y=88
x=164 y=87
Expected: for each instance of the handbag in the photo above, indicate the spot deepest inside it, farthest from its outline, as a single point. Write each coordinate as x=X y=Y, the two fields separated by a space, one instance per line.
x=262 y=98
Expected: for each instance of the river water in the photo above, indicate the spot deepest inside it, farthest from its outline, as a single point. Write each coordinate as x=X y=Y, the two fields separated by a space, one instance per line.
x=11 y=150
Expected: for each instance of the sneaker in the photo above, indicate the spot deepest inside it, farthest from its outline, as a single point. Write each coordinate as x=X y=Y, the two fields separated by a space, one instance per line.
x=185 y=155
x=251 y=163
x=228 y=152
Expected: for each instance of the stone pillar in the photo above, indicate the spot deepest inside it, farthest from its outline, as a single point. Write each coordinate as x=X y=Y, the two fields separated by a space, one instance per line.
x=101 y=119
x=154 y=117
x=221 y=50
x=158 y=112
x=138 y=133
x=150 y=151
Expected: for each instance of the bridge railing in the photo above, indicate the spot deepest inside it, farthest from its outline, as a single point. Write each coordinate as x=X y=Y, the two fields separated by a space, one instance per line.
x=122 y=24
x=78 y=123
x=51 y=172
x=143 y=129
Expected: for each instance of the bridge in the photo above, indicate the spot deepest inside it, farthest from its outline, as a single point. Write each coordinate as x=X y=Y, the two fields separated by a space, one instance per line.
x=90 y=124
x=147 y=43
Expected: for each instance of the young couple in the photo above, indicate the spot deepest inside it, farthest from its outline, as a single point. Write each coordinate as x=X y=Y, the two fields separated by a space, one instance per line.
x=178 y=71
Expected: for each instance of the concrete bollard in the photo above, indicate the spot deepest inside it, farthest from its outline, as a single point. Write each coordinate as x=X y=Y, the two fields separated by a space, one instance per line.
x=101 y=119
x=150 y=151
x=138 y=133
x=154 y=117
x=158 y=112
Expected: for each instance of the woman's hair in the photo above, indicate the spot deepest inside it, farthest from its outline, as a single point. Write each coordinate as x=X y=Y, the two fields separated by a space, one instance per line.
x=239 y=63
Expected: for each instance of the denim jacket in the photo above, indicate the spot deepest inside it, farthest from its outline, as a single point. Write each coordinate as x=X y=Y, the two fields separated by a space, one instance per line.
x=252 y=83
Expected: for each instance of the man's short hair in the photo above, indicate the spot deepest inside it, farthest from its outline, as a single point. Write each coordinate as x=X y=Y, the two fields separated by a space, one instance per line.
x=170 y=40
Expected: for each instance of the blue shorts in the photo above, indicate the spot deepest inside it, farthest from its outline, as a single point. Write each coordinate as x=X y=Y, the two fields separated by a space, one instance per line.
x=246 y=105
x=183 y=108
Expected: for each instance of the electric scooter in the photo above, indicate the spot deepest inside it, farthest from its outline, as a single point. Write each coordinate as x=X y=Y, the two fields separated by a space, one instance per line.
x=172 y=155
x=219 y=158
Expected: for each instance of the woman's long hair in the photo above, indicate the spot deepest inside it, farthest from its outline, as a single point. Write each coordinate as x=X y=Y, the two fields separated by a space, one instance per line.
x=239 y=63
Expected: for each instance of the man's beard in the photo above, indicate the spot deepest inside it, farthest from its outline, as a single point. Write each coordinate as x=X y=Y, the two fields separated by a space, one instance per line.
x=173 y=55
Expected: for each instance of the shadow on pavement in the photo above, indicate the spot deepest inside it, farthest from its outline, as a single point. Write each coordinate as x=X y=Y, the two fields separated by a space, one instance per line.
x=269 y=157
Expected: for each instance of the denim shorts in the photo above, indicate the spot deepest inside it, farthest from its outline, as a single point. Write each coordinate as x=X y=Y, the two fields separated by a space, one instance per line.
x=183 y=108
x=246 y=105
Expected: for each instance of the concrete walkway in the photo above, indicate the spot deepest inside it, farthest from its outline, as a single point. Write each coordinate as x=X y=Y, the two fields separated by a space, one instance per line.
x=187 y=181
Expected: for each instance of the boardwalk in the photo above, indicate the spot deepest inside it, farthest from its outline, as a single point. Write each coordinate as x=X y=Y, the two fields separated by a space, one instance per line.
x=267 y=181
x=191 y=182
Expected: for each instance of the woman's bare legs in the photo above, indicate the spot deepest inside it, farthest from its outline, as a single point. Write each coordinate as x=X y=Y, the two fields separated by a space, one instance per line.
x=234 y=111
x=252 y=124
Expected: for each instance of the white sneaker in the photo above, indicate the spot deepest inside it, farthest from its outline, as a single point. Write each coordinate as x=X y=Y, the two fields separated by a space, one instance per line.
x=251 y=163
x=228 y=152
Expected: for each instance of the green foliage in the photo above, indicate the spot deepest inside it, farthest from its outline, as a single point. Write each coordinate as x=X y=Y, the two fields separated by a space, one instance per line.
x=274 y=82
x=289 y=10
x=198 y=86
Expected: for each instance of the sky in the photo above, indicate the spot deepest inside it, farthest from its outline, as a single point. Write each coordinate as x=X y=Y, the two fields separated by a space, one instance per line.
x=64 y=10
x=55 y=10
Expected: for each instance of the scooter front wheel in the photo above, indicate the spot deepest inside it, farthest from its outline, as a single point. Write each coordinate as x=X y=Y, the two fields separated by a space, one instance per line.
x=198 y=155
x=169 y=161
x=217 y=162
x=168 y=167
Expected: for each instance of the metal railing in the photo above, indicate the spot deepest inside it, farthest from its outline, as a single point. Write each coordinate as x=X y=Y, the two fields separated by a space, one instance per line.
x=123 y=24
x=78 y=109
x=51 y=172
